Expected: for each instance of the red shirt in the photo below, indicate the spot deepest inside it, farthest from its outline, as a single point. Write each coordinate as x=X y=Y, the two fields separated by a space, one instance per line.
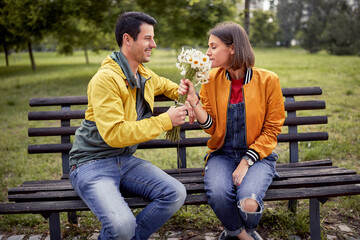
x=236 y=91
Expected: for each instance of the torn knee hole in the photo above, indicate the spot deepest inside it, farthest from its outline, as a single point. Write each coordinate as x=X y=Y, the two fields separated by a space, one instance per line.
x=249 y=205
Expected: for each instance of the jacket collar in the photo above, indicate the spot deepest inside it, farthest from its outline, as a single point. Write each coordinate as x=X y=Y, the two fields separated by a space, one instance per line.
x=121 y=60
x=248 y=75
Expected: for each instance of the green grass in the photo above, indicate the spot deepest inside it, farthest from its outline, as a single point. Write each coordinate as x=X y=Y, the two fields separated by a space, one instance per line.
x=57 y=75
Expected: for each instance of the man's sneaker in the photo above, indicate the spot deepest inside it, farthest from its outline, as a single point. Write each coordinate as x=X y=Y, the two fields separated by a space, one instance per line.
x=225 y=236
x=256 y=236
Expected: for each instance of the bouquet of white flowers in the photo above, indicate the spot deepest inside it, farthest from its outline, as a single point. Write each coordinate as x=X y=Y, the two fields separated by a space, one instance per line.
x=195 y=66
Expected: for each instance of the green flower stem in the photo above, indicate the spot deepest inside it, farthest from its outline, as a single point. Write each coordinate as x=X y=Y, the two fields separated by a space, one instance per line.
x=174 y=134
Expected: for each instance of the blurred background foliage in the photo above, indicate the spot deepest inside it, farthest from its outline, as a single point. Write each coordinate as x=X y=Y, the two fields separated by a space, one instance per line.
x=68 y=25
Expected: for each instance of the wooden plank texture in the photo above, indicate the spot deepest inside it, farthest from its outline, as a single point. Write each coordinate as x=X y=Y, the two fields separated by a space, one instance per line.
x=187 y=142
x=271 y=195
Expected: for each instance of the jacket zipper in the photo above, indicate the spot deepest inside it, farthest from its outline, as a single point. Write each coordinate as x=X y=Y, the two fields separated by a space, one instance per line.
x=143 y=93
x=222 y=142
x=243 y=91
x=227 y=109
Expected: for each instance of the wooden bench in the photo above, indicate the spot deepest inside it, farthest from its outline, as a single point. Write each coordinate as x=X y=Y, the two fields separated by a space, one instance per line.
x=315 y=180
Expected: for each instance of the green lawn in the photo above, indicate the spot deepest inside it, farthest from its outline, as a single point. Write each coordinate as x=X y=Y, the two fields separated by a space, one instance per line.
x=56 y=75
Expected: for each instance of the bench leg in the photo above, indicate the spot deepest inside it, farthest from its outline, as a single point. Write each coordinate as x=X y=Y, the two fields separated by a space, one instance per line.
x=181 y=156
x=54 y=225
x=72 y=217
x=292 y=205
x=314 y=219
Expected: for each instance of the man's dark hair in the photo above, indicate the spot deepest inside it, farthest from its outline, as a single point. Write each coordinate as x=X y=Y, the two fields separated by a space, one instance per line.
x=129 y=22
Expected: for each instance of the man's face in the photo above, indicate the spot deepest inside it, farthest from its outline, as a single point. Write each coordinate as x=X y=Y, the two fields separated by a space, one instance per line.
x=141 y=48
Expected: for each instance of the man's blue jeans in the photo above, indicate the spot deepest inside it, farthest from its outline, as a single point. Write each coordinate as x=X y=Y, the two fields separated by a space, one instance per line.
x=100 y=184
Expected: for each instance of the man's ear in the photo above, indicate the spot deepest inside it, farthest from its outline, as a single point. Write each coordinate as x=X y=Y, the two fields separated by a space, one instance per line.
x=127 y=39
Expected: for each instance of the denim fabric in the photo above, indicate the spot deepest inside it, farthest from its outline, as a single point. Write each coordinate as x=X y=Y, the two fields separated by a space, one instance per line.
x=100 y=185
x=225 y=198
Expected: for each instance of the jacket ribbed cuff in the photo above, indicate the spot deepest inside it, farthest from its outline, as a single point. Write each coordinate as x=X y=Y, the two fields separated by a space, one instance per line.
x=208 y=123
x=253 y=155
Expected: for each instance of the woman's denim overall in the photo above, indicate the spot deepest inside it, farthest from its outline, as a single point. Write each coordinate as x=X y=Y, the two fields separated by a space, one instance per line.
x=225 y=198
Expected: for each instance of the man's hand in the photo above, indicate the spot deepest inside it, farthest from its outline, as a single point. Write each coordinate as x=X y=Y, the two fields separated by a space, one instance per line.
x=190 y=112
x=177 y=115
x=240 y=172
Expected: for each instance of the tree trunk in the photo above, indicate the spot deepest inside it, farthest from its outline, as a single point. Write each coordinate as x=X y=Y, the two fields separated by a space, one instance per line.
x=247 y=17
x=86 y=55
x=33 y=66
x=6 y=54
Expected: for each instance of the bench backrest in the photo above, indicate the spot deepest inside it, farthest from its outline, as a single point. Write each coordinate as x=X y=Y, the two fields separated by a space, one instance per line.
x=65 y=129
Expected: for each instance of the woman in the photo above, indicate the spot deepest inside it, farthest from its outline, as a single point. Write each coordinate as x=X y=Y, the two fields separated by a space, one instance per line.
x=243 y=111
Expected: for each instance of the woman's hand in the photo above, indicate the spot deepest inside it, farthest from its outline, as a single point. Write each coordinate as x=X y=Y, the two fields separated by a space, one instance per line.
x=186 y=86
x=240 y=172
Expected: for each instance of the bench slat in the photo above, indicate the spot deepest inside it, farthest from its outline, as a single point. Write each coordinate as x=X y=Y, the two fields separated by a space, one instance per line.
x=51 y=131
x=72 y=100
x=292 y=121
x=271 y=195
x=308 y=136
x=316 y=192
x=59 y=131
x=188 y=142
x=301 y=91
x=304 y=182
x=80 y=114
x=56 y=115
x=53 y=101
x=64 y=184
x=60 y=185
x=305 y=105
x=298 y=166
x=320 y=162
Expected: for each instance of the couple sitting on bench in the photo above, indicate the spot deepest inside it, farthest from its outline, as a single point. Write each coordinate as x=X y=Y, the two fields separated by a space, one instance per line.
x=241 y=108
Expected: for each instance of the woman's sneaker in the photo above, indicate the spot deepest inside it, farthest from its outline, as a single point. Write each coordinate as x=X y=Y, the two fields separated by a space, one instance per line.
x=225 y=236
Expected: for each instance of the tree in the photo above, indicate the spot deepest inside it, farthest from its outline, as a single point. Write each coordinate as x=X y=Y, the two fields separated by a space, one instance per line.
x=5 y=39
x=312 y=29
x=331 y=25
x=186 y=22
x=84 y=24
x=289 y=14
x=310 y=37
x=341 y=33
x=264 y=28
x=5 y=35
x=29 y=20
x=247 y=17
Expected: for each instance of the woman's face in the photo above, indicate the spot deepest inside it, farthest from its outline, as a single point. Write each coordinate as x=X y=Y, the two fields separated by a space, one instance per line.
x=220 y=54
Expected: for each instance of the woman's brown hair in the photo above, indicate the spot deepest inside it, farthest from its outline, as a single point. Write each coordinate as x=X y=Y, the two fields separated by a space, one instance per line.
x=233 y=34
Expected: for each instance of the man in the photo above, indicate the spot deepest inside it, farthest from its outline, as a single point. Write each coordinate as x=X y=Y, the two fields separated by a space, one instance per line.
x=118 y=118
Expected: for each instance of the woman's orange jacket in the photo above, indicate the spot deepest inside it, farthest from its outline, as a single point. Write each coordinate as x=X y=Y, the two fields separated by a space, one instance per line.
x=264 y=109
